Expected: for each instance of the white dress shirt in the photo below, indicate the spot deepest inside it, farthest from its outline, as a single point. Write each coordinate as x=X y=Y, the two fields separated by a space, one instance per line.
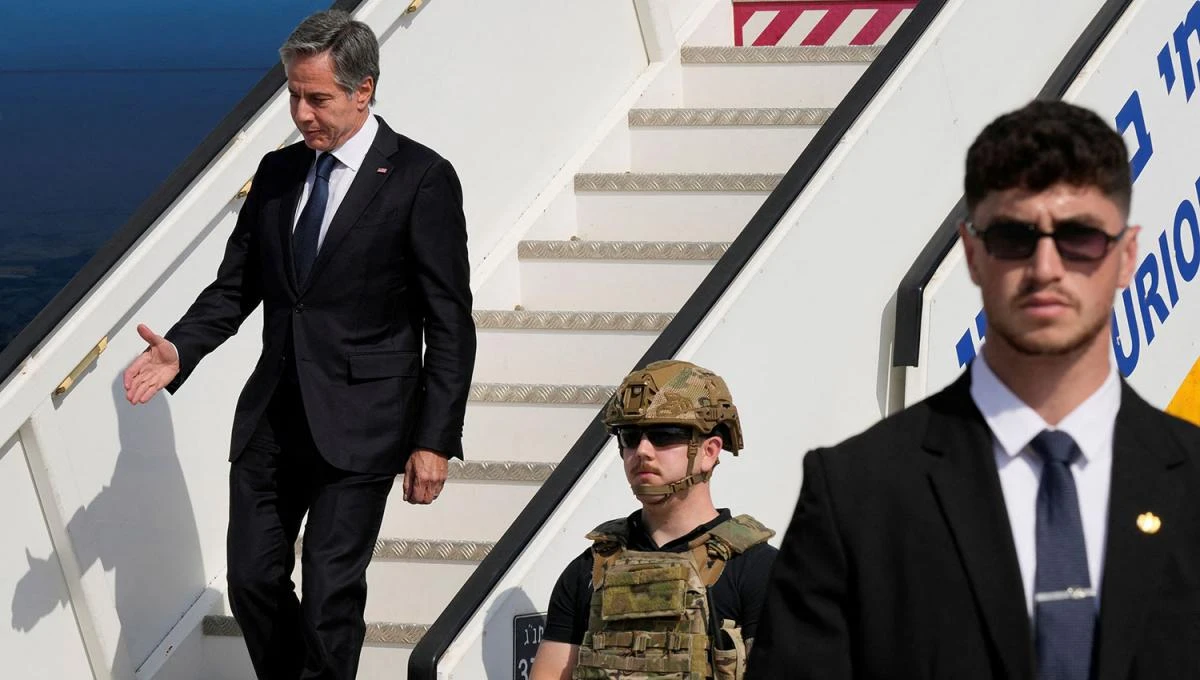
x=349 y=158
x=1014 y=425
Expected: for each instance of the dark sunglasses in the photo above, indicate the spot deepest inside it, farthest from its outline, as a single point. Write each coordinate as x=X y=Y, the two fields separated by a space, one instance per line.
x=659 y=435
x=1013 y=240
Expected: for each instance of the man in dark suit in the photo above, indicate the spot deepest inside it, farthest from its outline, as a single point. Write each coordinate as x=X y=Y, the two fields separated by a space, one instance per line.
x=355 y=244
x=1036 y=519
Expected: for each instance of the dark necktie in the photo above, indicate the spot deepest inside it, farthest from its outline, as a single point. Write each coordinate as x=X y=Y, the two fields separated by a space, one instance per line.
x=1064 y=608
x=308 y=228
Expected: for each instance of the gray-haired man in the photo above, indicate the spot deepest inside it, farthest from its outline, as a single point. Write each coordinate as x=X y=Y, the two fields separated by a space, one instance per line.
x=355 y=244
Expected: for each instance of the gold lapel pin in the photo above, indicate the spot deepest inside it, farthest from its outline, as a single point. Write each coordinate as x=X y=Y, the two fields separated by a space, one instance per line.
x=1149 y=523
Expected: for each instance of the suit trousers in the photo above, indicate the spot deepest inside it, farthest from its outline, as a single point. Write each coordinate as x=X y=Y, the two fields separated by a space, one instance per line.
x=278 y=478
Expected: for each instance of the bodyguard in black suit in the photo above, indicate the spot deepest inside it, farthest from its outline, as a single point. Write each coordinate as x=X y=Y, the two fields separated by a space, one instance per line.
x=355 y=244
x=1036 y=519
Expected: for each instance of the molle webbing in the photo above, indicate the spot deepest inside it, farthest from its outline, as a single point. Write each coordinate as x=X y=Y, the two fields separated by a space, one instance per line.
x=650 y=613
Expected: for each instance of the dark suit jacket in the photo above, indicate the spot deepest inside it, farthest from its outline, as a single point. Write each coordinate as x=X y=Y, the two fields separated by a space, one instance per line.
x=392 y=270
x=899 y=562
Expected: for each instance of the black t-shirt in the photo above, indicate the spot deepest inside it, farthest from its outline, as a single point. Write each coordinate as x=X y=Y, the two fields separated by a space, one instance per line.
x=738 y=594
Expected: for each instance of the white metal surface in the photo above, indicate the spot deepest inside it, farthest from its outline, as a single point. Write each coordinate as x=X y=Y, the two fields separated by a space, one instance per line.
x=35 y=597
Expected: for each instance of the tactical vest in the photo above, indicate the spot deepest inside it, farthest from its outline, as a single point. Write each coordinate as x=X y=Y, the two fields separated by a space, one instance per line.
x=650 y=618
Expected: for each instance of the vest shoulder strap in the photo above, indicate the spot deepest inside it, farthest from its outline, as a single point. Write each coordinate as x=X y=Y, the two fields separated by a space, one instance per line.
x=741 y=533
x=612 y=531
x=608 y=540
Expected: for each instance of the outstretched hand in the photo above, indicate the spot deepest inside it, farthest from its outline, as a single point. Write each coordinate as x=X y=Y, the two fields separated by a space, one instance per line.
x=424 y=476
x=153 y=370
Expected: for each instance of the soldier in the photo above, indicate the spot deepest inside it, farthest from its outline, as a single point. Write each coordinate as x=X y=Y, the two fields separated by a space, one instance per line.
x=675 y=589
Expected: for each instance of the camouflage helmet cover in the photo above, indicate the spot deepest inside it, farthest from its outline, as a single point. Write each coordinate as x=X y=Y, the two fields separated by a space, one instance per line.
x=675 y=393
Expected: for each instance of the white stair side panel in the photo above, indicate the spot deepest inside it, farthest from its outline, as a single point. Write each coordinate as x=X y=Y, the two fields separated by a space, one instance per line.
x=769 y=85
x=750 y=148
x=550 y=356
x=466 y=510
x=647 y=216
x=557 y=222
x=39 y=639
x=539 y=433
x=612 y=153
x=716 y=28
x=407 y=591
x=634 y=286
x=503 y=286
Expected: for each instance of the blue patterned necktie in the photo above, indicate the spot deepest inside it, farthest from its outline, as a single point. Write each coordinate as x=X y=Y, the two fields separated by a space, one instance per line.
x=306 y=236
x=1064 y=609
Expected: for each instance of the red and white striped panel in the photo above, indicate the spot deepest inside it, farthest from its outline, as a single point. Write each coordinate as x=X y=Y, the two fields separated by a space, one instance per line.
x=763 y=23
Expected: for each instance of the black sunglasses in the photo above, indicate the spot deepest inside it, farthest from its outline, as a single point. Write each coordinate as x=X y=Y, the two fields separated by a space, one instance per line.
x=1013 y=240
x=659 y=435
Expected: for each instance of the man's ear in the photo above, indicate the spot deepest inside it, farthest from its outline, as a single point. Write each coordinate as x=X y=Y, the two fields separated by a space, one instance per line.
x=364 y=92
x=710 y=452
x=1128 y=254
x=971 y=246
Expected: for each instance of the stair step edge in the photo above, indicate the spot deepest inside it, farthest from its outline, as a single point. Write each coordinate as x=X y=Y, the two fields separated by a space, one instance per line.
x=378 y=633
x=621 y=250
x=718 y=117
x=502 y=319
x=539 y=393
x=800 y=54
x=677 y=181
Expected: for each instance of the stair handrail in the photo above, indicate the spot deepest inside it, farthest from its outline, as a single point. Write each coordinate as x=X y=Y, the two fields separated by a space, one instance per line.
x=423 y=661
x=910 y=294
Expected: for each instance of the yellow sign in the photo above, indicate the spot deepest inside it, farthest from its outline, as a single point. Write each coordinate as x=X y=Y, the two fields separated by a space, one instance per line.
x=1186 y=402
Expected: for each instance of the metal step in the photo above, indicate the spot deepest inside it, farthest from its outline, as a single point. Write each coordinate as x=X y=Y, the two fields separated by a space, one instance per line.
x=675 y=182
x=578 y=249
x=541 y=393
x=718 y=117
x=512 y=320
x=546 y=346
x=719 y=139
x=771 y=77
x=499 y=470
x=796 y=54
x=393 y=634
x=425 y=550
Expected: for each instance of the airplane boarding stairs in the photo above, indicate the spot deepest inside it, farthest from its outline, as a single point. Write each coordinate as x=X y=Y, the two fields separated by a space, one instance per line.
x=600 y=276
x=683 y=226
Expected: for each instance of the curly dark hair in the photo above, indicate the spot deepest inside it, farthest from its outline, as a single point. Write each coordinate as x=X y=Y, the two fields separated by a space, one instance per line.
x=1045 y=143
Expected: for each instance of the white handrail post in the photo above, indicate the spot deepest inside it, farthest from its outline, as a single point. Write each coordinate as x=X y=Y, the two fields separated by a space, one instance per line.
x=657 y=32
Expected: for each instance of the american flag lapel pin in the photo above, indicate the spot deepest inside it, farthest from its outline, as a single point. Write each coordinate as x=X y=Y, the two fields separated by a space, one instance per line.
x=382 y=171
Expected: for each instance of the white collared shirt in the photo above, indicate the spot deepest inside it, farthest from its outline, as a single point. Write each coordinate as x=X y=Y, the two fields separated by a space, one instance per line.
x=350 y=156
x=1014 y=425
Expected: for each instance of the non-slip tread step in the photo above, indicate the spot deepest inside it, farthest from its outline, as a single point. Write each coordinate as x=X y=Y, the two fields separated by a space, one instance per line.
x=621 y=250
x=378 y=633
x=499 y=471
x=806 y=54
x=430 y=550
x=425 y=550
x=532 y=393
x=501 y=319
x=677 y=181
x=716 y=117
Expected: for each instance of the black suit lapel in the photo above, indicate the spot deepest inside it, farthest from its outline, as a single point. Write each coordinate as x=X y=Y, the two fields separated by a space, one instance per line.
x=1143 y=457
x=375 y=170
x=967 y=486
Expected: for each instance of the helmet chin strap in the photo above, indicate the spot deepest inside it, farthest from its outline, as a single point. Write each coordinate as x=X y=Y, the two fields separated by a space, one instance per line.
x=665 y=491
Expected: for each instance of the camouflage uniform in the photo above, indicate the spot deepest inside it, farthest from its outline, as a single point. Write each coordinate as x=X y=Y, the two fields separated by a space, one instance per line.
x=650 y=616
x=650 y=612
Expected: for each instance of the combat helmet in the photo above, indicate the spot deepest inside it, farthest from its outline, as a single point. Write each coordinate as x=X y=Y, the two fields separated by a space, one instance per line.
x=676 y=392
